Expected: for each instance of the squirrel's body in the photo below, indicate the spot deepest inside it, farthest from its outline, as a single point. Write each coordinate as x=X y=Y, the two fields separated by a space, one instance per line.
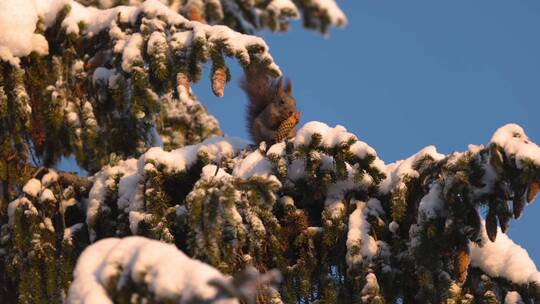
x=268 y=105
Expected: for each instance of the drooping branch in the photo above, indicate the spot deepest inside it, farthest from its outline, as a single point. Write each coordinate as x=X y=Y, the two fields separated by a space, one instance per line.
x=250 y=16
x=97 y=83
x=322 y=208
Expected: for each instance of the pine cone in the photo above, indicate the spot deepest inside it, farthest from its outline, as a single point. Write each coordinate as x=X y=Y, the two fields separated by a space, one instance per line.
x=195 y=13
x=218 y=81
x=518 y=204
x=533 y=190
x=491 y=224
x=286 y=126
x=183 y=80
x=462 y=263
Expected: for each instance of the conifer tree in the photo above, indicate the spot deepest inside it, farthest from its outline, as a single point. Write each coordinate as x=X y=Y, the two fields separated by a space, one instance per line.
x=172 y=212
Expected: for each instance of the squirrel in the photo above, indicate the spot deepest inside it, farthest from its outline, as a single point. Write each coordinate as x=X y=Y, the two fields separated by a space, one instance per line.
x=270 y=106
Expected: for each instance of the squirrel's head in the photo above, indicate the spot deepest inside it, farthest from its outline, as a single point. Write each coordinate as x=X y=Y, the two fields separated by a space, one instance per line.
x=284 y=100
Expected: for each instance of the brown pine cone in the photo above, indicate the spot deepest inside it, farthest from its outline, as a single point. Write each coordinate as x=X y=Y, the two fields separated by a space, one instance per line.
x=533 y=190
x=218 y=81
x=286 y=126
x=462 y=263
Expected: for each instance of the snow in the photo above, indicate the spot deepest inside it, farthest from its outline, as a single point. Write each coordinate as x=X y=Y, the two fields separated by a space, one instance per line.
x=396 y=171
x=277 y=149
x=156 y=40
x=103 y=180
x=47 y=196
x=167 y=272
x=393 y=227
x=49 y=178
x=503 y=258
x=47 y=224
x=183 y=158
x=131 y=173
x=513 y=297
x=95 y=19
x=132 y=52
x=213 y=171
x=358 y=235
x=70 y=231
x=335 y=14
x=514 y=141
x=12 y=207
x=371 y=288
x=431 y=204
x=254 y=164
x=102 y=74
x=361 y=149
x=32 y=187
x=331 y=137
x=297 y=170
x=18 y=19
x=279 y=7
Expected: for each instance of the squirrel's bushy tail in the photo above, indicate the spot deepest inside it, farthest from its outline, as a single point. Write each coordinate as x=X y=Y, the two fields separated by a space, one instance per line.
x=260 y=89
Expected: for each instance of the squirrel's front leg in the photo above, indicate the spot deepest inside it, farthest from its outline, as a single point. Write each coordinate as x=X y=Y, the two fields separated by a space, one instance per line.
x=264 y=133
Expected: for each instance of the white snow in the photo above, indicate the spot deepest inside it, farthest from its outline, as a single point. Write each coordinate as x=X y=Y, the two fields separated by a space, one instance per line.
x=254 y=164
x=358 y=236
x=330 y=136
x=279 y=7
x=277 y=149
x=213 y=171
x=503 y=258
x=68 y=232
x=156 y=40
x=398 y=170
x=132 y=172
x=47 y=224
x=371 y=288
x=513 y=297
x=514 y=141
x=393 y=227
x=12 y=206
x=49 y=178
x=32 y=187
x=183 y=158
x=18 y=19
x=102 y=74
x=166 y=271
x=132 y=52
x=103 y=180
x=336 y=15
x=432 y=205
x=47 y=196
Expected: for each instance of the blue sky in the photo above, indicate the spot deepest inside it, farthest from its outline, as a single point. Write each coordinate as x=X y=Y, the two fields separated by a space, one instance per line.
x=406 y=74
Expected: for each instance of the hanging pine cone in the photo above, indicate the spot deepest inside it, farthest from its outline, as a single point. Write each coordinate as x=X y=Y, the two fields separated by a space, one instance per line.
x=182 y=80
x=462 y=263
x=219 y=78
x=286 y=126
x=518 y=204
x=491 y=224
x=194 y=12
x=533 y=190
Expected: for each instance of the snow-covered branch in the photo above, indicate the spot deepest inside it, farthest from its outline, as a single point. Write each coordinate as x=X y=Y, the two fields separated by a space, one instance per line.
x=250 y=16
x=103 y=84
x=320 y=203
x=112 y=270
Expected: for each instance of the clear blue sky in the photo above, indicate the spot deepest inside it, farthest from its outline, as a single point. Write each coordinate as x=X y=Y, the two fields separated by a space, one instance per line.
x=406 y=74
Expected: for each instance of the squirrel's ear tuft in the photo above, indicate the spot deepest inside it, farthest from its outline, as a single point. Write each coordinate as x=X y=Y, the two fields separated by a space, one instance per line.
x=279 y=90
x=288 y=87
